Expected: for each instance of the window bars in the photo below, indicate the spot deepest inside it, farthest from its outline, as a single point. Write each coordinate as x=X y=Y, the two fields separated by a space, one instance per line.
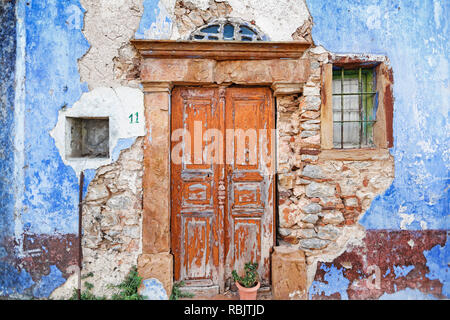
x=353 y=108
x=230 y=29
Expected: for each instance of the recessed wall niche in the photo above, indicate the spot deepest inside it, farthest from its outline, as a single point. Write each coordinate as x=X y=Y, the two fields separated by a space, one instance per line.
x=87 y=137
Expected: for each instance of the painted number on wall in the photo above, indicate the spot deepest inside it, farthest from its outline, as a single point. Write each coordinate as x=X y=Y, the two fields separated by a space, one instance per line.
x=134 y=117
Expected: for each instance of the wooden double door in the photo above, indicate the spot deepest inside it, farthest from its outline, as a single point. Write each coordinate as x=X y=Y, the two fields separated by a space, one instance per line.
x=222 y=183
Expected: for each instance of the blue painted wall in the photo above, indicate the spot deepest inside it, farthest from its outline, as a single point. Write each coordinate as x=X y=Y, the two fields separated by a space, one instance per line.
x=53 y=43
x=51 y=188
x=155 y=23
x=414 y=36
x=7 y=67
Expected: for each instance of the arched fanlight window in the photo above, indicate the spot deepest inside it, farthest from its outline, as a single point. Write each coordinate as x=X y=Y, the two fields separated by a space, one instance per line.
x=228 y=29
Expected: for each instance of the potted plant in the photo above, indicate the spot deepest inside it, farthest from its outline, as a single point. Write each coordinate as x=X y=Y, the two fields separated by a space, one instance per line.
x=248 y=285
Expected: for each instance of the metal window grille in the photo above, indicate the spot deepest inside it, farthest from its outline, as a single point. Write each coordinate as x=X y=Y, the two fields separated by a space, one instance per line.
x=354 y=108
x=229 y=29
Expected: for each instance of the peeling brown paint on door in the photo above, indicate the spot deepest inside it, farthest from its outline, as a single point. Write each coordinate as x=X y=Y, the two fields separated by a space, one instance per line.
x=223 y=192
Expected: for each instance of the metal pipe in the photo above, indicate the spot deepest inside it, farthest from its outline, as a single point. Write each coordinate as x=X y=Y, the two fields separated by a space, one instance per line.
x=342 y=109
x=80 y=225
x=360 y=103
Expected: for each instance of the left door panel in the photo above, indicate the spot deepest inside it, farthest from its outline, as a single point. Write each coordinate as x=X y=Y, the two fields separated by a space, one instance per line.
x=196 y=216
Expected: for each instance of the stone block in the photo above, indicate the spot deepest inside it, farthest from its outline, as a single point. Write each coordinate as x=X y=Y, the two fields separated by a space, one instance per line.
x=158 y=266
x=319 y=190
x=314 y=243
x=309 y=218
x=288 y=274
x=307 y=134
x=328 y=232
x=312 y=208
x=334 y=217
x=313 y=172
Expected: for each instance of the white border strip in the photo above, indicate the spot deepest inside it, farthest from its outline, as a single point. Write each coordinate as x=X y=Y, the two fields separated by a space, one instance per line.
x=19 y=125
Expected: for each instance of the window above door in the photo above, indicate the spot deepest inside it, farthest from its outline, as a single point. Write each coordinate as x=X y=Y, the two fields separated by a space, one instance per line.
x=228 y=29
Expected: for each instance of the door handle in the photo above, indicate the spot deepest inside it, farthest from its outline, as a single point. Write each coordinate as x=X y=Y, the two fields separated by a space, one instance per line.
x=221 y=193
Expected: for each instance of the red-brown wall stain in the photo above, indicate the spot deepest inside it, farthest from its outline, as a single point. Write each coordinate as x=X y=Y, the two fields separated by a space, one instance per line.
x=386 y=249
x=43 y=251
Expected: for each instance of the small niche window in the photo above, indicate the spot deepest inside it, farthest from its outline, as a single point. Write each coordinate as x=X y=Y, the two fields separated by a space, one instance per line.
x=87 y=137
x=230 y=29
x=354 y=108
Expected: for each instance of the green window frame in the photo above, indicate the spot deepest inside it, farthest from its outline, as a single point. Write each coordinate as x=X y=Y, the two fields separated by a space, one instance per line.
x=353 y=128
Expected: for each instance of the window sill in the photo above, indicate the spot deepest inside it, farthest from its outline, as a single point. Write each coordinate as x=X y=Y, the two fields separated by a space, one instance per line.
x=354 y=154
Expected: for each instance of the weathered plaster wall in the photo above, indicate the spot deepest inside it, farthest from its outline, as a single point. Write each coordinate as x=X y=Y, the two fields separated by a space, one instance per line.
x=108 y=26
x=414 y=35
x=87 y=43
x=175 y=19
x=42 y=242
x=45 y=190
x=116 y=104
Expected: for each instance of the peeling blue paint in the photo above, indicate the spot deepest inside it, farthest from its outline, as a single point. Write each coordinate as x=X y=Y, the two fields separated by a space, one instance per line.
x=335 y=283
x=89 y=174
x=438 y=260
x=155 y=22
x=414 y=36
x=53 y=43
x=13 y=281
x=51 y=188
x=48 y=283
x=122 y=144
x=402 y=271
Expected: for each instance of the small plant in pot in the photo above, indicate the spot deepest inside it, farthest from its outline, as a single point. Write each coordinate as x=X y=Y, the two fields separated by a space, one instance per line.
x=248 y=285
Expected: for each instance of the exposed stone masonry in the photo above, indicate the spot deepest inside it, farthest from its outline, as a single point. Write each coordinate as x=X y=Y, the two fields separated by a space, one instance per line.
x=112 y=214
x=319 y=198
x=189 y=17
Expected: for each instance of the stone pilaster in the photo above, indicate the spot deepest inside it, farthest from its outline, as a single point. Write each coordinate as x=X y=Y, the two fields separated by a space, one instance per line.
x=156 y=181
x=156 y=260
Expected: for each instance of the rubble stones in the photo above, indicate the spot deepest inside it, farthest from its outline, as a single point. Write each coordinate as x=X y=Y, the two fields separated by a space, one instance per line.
x=312 y=208
x=313 y=243
x=319 y=190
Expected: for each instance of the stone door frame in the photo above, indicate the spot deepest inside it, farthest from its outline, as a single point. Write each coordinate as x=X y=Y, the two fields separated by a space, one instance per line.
x=165 y=64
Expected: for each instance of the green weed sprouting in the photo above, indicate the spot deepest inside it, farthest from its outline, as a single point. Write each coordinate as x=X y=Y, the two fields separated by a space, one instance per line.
x=177 y=293
x=250 y=278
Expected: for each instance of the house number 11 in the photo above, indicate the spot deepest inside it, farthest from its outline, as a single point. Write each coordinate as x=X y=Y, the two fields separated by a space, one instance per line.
x=136 y=119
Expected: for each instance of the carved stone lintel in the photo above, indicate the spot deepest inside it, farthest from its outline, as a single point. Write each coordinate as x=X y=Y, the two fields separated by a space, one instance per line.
x=221 y=50
x=150 y=87
x=283 y=88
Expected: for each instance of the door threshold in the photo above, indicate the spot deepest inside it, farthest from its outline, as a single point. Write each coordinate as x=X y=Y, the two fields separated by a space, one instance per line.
x=201 y=291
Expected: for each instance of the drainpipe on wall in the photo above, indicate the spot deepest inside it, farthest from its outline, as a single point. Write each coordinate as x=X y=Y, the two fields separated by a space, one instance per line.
x=80 y=221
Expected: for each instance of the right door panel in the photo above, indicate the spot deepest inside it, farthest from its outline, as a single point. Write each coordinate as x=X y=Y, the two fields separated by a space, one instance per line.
x=250 y=188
